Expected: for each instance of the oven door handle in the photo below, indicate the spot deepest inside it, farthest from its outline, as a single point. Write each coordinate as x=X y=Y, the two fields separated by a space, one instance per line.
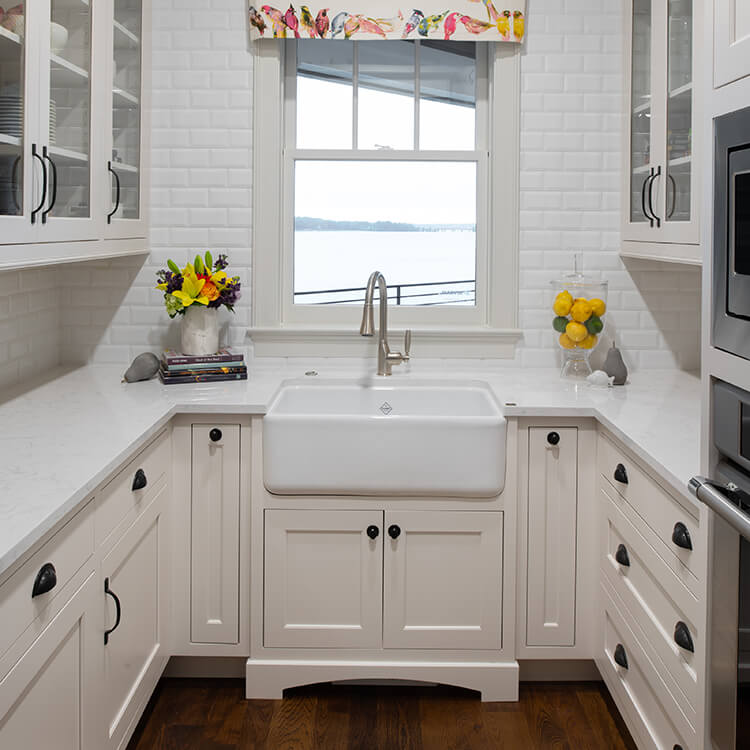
x=716 y=497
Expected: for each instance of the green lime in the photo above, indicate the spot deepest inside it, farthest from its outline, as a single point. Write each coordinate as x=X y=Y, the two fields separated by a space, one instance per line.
x=594 y=325
x=559 y=323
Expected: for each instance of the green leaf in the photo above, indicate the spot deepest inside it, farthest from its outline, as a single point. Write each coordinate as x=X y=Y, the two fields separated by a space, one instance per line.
x=173 y=305
x=173 y=267
x=198 y=264
x=209 y=261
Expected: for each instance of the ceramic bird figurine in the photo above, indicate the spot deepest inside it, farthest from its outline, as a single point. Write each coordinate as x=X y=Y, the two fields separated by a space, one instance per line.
x=474 y=25
x=277 y=21
x=430 y=23
x=322 y=22
x=257 y=20
x=290 y=19
x=518 y=24
x=503 y=25
x=307 y=22
x=337 y=25
x=412 y=23
x=449 y=27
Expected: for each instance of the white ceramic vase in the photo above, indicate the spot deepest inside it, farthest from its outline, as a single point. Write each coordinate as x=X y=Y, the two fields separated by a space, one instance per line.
x=200 y=330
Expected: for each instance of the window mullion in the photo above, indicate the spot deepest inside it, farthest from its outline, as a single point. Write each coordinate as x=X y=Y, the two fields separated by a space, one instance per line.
x=417 y=45
x=355 y=96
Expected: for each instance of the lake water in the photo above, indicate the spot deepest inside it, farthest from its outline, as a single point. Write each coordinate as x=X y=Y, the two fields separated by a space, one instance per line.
x=339 y=260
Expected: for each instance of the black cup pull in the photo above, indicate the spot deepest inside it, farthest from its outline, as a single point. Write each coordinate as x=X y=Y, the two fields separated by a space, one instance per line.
x=215 y=434
x=46 y=580
x=622 y=556
x=117 y=193
x=553 y=438
x=682 y=637
x=394 y=531
x=139 y=480
x=36 y=155
x=621 y=474
x=681 y=536
x=620 y=656
x=373 y=531
x=118 y=611
x=52 y=184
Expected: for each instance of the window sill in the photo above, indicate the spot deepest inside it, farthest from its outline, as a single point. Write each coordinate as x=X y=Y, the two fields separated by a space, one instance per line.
x=429 y=343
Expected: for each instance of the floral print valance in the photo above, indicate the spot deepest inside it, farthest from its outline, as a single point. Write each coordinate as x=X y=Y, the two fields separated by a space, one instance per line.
x=463 y=20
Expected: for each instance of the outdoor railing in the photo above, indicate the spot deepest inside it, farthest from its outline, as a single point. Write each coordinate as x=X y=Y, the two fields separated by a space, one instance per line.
x=418 y=294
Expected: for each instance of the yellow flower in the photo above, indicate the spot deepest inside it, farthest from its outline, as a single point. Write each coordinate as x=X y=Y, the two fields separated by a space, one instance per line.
x=192 y=288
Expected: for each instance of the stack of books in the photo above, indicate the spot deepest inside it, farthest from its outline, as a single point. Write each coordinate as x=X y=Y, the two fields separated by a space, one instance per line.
x=226 y=364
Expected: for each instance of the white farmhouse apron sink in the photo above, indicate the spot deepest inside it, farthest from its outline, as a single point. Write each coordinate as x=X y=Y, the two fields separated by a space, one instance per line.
x=346 y=437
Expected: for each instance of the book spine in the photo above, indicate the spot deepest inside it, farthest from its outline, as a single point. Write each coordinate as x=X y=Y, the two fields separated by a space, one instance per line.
x=209 y=370
x=175 y=380
x=211 y=358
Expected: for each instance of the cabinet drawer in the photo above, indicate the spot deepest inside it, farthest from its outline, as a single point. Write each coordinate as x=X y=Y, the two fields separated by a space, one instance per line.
x=657 y=600
x=675 y=525
x=637 y=688
x=60 y=558
x=122 y=496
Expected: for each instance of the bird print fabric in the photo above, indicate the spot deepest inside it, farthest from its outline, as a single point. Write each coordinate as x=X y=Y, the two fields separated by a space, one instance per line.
x=459 y=20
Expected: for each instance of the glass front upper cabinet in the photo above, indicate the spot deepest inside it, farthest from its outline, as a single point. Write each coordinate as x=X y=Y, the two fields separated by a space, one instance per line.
x=127 y=89
x=12 y=113
x=640 y=109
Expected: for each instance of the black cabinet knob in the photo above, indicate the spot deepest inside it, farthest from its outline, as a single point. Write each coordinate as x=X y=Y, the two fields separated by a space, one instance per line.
x=681 y=536
x=394 y=531
x=677 y=747
x=139 y=480
x=621 y=474
x=682 y=637
x=622 y=556
x=620 y=656
x=553 y=438
x=373 y=531
x=215 y=434
x=46 y=580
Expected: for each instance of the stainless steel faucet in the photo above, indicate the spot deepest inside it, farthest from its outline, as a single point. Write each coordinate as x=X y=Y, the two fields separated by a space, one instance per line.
x=386 y=358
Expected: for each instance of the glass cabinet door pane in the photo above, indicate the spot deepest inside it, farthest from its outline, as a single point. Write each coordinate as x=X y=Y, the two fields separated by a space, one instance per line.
x=126 y=110
x=12 y=63
x=69 y=109
x=640 y=107
x=679 y=110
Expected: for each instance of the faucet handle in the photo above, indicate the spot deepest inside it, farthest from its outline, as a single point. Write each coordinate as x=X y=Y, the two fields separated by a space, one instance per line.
x=407 y=343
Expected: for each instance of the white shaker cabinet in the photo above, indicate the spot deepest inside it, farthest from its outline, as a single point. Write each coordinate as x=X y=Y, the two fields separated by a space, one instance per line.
x=443 y=580
x=48 y=699
x=215 y=533
x=323 y=578
x=134 y=604
x=731 y=41
x=552 y=507
x=663 y=110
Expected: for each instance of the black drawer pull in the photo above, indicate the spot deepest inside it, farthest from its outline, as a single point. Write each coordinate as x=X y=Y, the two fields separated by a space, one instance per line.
x=46 y=580
x=620 y=656
x=373 y=531
x=682 y=637
x=118 y=611
x=215 y=435
x=681 y=536
x=621 y=474
x=622 y=556
x=553 y=438
x=139 y=480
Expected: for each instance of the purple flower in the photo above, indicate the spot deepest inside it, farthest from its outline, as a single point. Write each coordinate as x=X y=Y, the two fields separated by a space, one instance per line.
x=172 y=280
x=229 y=295
x=221 y=262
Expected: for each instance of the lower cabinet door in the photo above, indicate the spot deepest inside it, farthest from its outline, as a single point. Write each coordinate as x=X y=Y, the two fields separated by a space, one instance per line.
x=323 y=578
x=134 y=600
x=443 y=579
x=48 y=699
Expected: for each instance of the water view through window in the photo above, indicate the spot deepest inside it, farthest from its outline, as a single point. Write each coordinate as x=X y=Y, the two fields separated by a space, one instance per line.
x=413 y=219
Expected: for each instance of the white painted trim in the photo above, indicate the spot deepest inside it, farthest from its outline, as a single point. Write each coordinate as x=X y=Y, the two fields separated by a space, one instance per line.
x=483 y=331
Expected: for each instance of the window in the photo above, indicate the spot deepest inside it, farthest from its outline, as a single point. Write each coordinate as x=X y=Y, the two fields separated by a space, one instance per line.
x=384 y=157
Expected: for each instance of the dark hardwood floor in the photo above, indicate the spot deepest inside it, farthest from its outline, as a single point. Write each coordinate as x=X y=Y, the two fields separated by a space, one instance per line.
x=213 y=715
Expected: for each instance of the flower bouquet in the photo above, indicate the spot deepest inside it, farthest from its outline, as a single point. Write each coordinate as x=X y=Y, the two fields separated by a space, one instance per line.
x=196 y=292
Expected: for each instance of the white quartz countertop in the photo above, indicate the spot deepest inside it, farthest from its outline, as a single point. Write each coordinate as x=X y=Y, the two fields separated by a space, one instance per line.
x=63 y=436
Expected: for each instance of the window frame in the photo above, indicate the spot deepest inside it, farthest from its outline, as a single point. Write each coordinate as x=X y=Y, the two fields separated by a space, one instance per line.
x=488 y=329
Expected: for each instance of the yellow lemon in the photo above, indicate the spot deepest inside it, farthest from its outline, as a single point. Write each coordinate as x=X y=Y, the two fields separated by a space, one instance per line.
x=565 y=293
x=576 y=331
x=597 y=307
x=562 y=306
x=581 y=311
x=566 y=342
x=589 y=342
